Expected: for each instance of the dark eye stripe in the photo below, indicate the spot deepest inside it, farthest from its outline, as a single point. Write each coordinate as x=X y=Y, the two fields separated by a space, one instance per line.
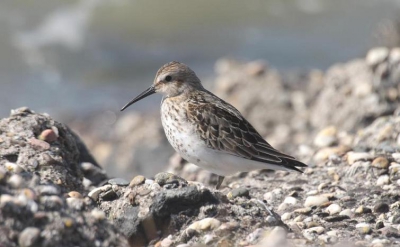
x=168 y=78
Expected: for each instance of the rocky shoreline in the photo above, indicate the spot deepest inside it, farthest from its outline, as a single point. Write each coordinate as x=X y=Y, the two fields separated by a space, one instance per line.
x=343 y=123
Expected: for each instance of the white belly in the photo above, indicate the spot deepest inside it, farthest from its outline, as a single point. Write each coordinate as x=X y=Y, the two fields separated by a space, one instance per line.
x=183 y=138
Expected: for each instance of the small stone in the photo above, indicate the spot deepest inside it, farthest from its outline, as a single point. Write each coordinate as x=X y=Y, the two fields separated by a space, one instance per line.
x=28 y=237
x=394 y=57
x=290 y=200
x=39 y=144
x=352 y=157
x=383 y=180
x=363 y=228
x=98 y=214
x=363 y=210
x=68 y=222
x=326 y=137
x=164 y=178
x=205 y=224
x=239 y=192
x=376 y=56
x=109 y=195
x=138 y=180
x=75 y=194
x=12 y=167
x=311 y=233
x=380 y=162
x=324 y=153
x=306 y=210
x=48 y=190
x=379 y=225
x=48 y=135
x=333 y=209
x=396 y=156
x=255 y=235
x=94 y=194
x=5 y=198
x=286 y=216
x=75 y=203
x=15 y=181
x=118 y=181
x=312 y=201
x=381 y=207
x=347 y=212
x=336 y=218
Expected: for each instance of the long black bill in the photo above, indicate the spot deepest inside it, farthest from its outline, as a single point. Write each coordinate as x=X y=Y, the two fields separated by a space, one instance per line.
x=146 y=93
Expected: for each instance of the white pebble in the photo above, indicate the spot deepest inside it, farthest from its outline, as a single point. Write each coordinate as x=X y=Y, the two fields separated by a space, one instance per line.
x=15 y=181
x=312 y=201
x=290 y=200
x=363 y=228
x=205 y=224
x=377 y=55
x=98 y=214
x=333 y=209
x=382 y=180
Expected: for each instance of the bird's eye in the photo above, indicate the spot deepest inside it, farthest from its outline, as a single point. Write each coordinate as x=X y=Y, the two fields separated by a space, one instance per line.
x=168 y=78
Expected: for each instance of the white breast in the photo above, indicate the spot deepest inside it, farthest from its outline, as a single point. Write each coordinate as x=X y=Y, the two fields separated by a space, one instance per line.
x=182 y=136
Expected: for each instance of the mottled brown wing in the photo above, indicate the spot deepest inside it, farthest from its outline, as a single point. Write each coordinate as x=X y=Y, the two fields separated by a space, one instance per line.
x=223 y=128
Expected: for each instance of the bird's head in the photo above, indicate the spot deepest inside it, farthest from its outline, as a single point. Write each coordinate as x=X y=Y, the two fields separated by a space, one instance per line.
x=172 y=79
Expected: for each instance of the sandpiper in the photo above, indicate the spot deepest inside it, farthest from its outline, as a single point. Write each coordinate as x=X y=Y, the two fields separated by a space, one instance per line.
x=207 y=131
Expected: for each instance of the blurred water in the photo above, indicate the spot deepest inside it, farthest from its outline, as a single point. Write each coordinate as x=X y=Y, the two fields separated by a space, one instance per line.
x=70 y=58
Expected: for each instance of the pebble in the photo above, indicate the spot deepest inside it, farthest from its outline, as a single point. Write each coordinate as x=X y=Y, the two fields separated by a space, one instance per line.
x=286 y=216
x=333 y=209
x=75 y=194
x=290 y=200
x=28 y=237
x=15 y=181
x=239 y=192
x=6 y=198
x=312 y=201
x=164 y=178
x=326 y=137
x=394 y=56
x=48 y=135
x=383 y=180
x=48 y=190
x=311 y=233
x=138 y=180
x=94 y=194
x=363 y=210
x=255 y=235
x=205 y=224
x=98 y=214
x=336 y=218
x=118 y=181
x=380 y=162
x=347 y=212
x=324 y=153
x=376 y=56
x=39 y=144
x=12 y=167
x=75 y=203
x=208 y=238
x=396 y=156
x=363 y=228
x=352 y=157
x=381 y=207
x=306 y=210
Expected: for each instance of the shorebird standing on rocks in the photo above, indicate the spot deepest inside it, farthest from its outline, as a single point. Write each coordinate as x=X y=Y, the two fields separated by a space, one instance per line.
x=207 y=131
